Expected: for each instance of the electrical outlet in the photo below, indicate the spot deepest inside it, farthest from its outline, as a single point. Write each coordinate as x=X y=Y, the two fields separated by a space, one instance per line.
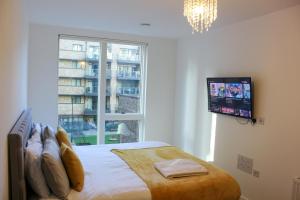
x=261 y=121
x=256 y=173
x=245 y=164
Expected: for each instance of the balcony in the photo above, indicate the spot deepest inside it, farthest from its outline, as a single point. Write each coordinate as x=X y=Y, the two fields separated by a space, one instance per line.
x=91 y=91
x=123 y=58
x=70 y=90
x=72 y=55
x=71 y=73
x=89 y=111
x=133 y=75
x=91 y=73
x=70 y=109
x=94 y=57
x=121 y=75
x=135 y=59
x=128 y=91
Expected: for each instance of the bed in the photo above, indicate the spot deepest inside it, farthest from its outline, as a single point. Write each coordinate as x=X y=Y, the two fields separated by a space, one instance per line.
x=107 y=176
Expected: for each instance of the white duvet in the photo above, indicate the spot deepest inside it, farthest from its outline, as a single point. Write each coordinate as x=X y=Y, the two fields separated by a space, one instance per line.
x=107 y=177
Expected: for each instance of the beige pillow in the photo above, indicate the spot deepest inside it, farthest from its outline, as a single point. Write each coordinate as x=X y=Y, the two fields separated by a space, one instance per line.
x=62 y=137
x=73 y=167
x=54 y=170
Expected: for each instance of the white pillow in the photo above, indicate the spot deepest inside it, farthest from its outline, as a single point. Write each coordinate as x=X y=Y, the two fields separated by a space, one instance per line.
x=48 y=133
x=33 y=170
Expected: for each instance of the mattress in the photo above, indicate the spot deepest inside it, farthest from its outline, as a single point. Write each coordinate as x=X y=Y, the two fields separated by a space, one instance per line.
x=109 y=177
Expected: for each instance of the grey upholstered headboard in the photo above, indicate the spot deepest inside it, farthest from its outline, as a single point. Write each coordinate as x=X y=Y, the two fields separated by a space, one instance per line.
x=17 y=140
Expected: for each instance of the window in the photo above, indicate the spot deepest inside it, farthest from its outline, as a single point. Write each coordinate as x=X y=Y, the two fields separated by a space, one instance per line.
x=93 y=52
x=124 y=97
x=105 y=102
x=77 y=47
x=77 y=100
x=76 y=82
x=76 y=64
x=77 y=108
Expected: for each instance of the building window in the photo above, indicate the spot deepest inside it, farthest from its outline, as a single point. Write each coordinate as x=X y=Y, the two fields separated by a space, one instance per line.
x=76 y=82
x=94 y=50
x=77 y=100
x=77 y=47
x=77 y=65
x=106 y=104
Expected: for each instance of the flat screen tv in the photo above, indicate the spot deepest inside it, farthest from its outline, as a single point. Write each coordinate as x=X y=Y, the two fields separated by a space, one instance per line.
x=231 y=96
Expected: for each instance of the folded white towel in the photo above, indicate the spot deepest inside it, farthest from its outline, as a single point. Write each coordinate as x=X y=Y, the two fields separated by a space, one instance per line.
x=180 y=168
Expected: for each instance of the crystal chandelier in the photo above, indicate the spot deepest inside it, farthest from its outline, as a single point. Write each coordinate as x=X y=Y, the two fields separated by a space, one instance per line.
x=200 y=13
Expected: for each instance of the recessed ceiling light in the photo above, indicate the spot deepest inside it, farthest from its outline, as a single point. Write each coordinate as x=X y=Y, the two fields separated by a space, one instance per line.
x=145 y=24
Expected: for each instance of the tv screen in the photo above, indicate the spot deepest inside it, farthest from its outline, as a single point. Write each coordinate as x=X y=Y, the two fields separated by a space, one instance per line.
x=230 y=96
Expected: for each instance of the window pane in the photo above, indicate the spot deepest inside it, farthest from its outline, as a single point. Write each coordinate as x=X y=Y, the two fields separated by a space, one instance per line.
x=123 y=78
x=78 y=89
x=121 y=131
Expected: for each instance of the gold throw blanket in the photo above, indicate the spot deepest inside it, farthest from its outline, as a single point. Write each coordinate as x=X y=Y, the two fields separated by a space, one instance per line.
x=216 y=185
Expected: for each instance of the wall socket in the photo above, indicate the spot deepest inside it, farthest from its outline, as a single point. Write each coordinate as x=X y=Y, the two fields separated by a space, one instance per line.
x=256 y=173
x=261 y=121
x=245 y=164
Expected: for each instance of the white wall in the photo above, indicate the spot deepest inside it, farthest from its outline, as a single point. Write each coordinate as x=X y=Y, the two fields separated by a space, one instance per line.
x=268 y=50
x=13 y=76
x=43 y=70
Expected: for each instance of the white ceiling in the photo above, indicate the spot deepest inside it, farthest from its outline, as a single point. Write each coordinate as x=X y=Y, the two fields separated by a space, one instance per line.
x=125 y=16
